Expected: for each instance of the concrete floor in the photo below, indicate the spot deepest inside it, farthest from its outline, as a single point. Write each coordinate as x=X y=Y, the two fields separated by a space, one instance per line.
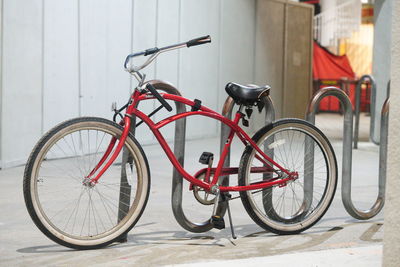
x=158 y=240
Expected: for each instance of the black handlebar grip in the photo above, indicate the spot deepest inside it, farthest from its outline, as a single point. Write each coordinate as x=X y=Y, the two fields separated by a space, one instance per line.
x=199 y=41
x=151 y=51
x=154 y=92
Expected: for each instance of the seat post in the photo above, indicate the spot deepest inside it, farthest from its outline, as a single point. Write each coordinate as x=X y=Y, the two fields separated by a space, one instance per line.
x=239 y=114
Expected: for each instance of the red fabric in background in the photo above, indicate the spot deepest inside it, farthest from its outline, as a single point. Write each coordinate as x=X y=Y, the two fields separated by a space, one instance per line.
x=329 y=66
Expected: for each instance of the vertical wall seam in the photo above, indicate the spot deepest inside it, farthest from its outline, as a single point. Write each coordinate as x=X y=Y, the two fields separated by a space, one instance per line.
x=178 y=81
x=254 y=127
x=282 y=112
x=153 y=138
x=310 y=92
x=79 y=60
x=43 y=57
x=156 y=38
x=1 y=80
x=219 y=98
x=131 y=47
x=106 y=28
x=254 y=41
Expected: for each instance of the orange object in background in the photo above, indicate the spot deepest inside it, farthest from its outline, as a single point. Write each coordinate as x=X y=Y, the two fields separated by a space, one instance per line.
x=329 y=67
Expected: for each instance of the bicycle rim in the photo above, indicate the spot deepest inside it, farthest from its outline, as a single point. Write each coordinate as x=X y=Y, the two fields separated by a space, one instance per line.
x=297 y=205
x=70 y=209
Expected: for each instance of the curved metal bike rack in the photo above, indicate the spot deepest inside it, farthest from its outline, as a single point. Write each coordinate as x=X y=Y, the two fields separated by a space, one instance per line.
x=371 y=80
x=179 y=151
x=383 y=149
x=269 y=118
x=177 y=181
x=347 y=151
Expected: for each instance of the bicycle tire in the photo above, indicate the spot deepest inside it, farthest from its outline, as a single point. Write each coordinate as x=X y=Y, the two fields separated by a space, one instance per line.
x=55 y=173
x=305 y=207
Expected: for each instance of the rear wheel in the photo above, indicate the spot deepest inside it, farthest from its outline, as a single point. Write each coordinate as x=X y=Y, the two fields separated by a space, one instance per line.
x=299 y=147
x=61 y=202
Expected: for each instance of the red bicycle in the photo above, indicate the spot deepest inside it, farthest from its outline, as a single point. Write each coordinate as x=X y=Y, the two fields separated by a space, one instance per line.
x=75 y=194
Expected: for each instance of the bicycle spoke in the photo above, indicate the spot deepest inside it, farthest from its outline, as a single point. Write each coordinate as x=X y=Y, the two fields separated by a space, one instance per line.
x=75 y=209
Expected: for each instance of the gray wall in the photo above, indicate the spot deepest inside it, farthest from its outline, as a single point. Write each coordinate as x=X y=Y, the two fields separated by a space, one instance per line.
x=284 y=54
x=391 y=236
x=62 y=59
x=381 y=55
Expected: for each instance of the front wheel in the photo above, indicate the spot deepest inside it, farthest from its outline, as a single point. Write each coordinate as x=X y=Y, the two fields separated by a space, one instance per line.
x=61 y=202
x=297 y=146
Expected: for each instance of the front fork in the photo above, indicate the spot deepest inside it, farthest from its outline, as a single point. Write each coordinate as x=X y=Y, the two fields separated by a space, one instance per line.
x=125 y=133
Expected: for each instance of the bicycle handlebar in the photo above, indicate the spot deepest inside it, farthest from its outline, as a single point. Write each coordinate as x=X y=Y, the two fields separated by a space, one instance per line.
x=155 y=51
x=199 y=41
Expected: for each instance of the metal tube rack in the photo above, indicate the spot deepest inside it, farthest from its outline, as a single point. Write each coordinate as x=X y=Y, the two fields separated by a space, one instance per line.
x=177 y=181
x=179 y=151
x=371 y=80
x=347 y=150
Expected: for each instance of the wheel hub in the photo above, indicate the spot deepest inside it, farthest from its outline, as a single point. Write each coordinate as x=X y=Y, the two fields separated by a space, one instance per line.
x=88 y=182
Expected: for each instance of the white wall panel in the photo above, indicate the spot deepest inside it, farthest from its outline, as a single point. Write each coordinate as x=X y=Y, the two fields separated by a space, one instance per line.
x=118 y=46
x=85 y=43
x=167 y=64
x=1 y=81
x=105 y=40
x=167 y=34
x=93 y=57
x=199 y=65
x=144 y=34
x=237 y=45
x=22 y=79
x=61 y=72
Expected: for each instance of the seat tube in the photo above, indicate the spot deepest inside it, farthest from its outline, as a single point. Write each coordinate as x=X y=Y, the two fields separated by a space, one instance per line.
x=225 y=151
x=238 y=115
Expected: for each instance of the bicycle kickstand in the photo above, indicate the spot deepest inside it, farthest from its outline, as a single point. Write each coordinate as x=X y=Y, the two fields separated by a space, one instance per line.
x=217 y=221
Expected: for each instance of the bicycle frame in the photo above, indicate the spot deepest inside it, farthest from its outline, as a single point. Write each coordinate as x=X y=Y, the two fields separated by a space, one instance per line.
x=131 y=110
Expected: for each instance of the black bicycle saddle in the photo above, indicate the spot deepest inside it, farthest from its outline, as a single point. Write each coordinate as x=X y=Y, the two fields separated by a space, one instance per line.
x=246 y=95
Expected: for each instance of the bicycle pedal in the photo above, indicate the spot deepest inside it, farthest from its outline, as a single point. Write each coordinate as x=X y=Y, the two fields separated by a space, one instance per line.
x=206 y=158
x=218 y=222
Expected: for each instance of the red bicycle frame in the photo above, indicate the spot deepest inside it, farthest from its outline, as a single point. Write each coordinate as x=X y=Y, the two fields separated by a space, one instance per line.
x=131 y=110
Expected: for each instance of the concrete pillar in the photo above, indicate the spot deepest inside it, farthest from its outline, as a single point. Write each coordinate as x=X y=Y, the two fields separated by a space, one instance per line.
x=328 y=7
x=381 y=55
x=391 y=240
